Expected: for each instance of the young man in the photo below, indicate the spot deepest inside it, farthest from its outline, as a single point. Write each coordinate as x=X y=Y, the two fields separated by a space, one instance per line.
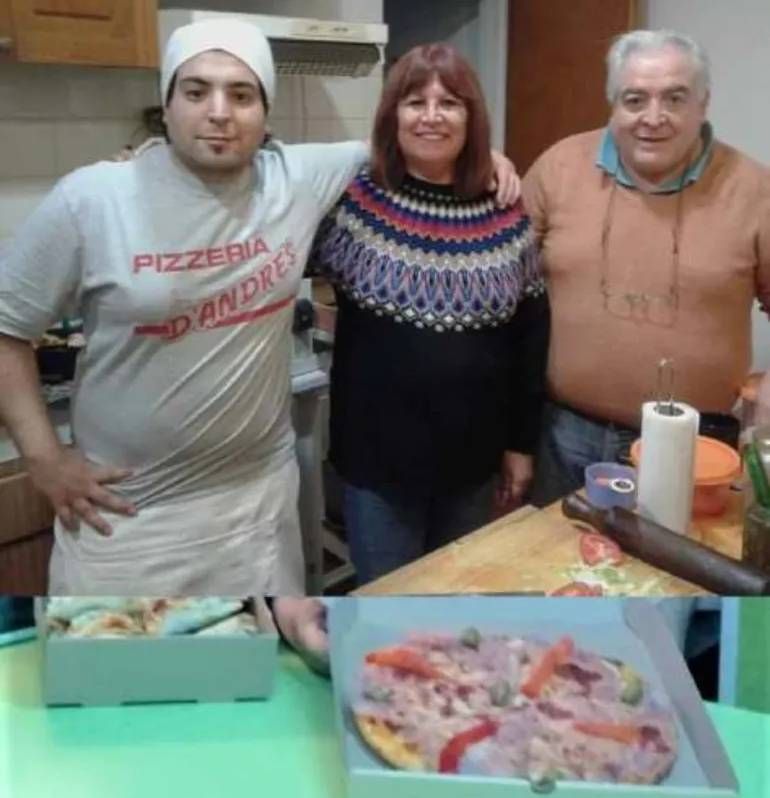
x=184 y=263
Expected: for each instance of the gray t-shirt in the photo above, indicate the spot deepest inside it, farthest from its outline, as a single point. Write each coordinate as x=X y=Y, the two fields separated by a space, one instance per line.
x=186 y=290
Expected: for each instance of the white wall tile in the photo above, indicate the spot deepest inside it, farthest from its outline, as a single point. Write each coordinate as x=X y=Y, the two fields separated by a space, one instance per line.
x=78 y=143
x=290 y=131
x=337 y=129
x=356 y=128
x=322 y=130
x=140 y=89
x=26 y=149
x=109 y=93
x=295 y=131
x=354 y=97
x=288 y=97
x=57 y=91
x=32 y=91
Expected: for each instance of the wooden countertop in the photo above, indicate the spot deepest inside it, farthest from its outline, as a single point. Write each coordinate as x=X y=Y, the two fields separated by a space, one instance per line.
x=533 y=550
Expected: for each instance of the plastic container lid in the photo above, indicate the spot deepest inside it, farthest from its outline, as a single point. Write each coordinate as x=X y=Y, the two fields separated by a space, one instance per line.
x=716 y=463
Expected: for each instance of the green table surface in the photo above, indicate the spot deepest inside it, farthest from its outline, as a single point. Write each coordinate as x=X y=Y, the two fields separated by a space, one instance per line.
x=286 y=746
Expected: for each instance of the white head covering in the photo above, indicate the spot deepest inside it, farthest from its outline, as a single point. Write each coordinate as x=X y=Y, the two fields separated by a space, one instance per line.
x=241 y=39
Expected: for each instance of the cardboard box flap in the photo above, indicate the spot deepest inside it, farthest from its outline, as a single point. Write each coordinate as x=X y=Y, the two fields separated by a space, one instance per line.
x=682 y=692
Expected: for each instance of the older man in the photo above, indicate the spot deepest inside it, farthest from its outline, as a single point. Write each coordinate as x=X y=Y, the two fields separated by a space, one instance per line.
x=655 y=240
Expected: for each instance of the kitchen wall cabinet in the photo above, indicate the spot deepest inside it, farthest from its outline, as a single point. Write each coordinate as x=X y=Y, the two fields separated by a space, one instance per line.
x=114 y=33
x=26 y=537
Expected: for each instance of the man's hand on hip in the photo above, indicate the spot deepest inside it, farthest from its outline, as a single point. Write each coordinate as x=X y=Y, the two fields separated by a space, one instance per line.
x=75 y=488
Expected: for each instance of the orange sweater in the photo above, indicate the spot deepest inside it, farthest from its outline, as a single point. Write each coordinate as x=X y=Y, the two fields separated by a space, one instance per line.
x=603 y=361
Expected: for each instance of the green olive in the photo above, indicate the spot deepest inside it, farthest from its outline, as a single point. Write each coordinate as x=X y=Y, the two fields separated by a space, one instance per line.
x=378 y=693
x=500 y=693
x=471 y=637
x=541 y=783
x=632 y=686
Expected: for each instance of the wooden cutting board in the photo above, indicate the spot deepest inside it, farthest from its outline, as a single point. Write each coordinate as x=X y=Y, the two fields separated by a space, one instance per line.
x=537 y=551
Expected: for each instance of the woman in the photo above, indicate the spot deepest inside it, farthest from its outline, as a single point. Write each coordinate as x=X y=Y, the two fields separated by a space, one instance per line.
x=442 y=324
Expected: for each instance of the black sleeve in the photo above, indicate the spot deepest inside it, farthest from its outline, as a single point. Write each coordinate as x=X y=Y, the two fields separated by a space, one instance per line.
x=532 y=328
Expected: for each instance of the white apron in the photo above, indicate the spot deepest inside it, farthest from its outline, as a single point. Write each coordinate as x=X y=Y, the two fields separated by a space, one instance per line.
x=241 y=541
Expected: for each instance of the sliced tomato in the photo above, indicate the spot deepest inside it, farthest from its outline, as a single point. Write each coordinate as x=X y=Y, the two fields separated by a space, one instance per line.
x=619 y=732
x=544 y=669
x=596 y=548
x=452 y=752
x=404 y=659
x=578 y=589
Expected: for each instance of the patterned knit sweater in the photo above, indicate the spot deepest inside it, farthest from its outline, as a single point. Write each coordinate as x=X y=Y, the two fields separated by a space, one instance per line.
x=441 y=339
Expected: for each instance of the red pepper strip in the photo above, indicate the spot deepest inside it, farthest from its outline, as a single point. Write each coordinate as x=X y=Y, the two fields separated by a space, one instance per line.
x=451 y=753
x=542 y=671
x=598 y=548
x=404 y=659
x=619 y=732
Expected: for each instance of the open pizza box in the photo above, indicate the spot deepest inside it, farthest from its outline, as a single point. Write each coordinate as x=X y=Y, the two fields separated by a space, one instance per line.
x=633 y=630
x=94 y=671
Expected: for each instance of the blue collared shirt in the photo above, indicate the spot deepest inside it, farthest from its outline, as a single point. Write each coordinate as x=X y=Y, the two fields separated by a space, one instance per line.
x=608 y=159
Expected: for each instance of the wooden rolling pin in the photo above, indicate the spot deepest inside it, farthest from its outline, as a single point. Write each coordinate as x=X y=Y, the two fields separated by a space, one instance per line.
x=669 y=551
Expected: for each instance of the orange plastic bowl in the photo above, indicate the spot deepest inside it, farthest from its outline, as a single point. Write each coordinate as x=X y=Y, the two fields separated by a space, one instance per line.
x=716 y=467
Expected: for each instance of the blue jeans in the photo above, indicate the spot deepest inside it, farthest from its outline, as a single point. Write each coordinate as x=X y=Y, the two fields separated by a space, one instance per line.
x=387 y=528
x=568 y=443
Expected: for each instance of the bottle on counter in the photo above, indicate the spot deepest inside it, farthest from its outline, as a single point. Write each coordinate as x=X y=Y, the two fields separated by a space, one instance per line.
x=756 y=519
x=754 y=404
x=762 y=411
x=756 y=536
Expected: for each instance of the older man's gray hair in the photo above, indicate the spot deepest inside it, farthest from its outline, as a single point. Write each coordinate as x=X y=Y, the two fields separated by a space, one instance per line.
x=638 y=41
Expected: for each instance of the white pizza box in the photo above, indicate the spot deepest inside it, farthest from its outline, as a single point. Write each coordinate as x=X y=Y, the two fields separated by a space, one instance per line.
x=110 y=671
x=629 y=629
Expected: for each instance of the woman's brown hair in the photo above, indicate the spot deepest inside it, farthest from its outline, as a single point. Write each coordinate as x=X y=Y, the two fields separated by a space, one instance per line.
x=413 y=71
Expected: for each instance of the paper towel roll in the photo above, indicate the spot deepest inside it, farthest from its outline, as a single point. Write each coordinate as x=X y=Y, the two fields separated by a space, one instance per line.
x=667 y=465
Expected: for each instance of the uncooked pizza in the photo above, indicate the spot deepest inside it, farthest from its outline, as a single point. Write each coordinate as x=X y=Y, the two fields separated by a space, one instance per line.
x=511 y=706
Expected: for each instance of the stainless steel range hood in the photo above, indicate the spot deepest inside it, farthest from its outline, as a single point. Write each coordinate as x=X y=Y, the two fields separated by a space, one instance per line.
x=301 y=46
